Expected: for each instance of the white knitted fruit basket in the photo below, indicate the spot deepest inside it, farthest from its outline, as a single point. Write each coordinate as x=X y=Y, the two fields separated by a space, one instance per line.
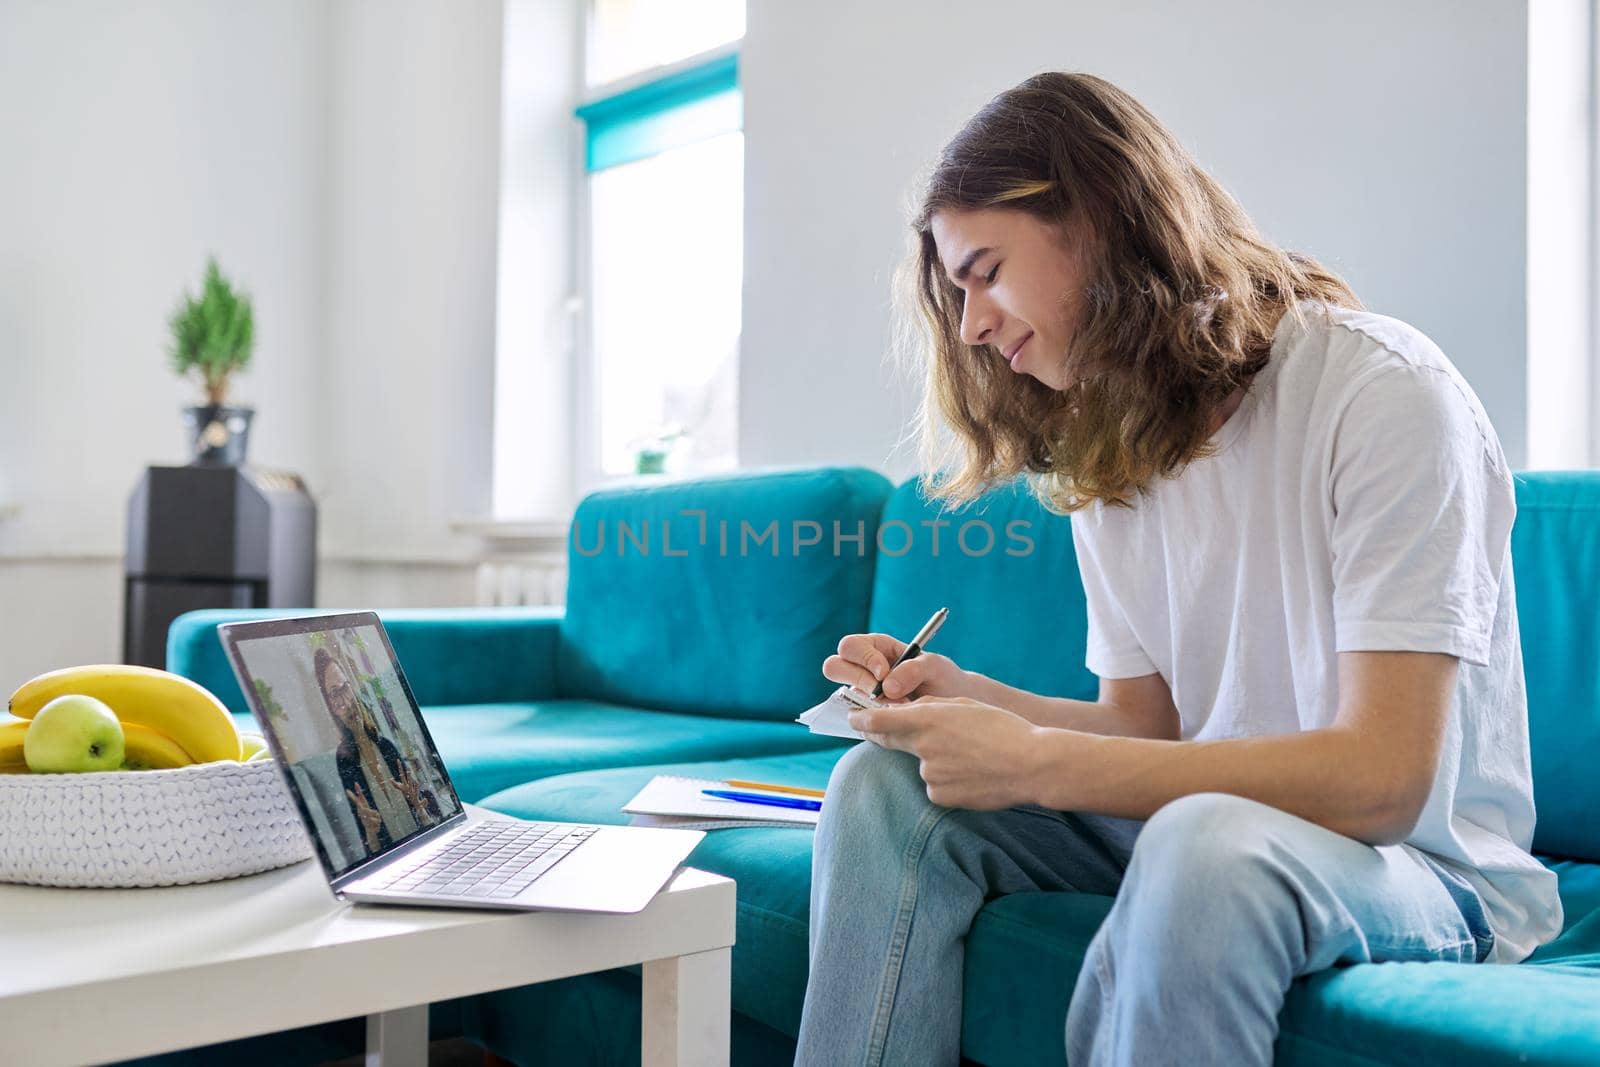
x=200 y=823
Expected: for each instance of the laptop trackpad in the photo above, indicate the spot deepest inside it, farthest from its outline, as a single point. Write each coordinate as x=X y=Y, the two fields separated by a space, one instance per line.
x=619 y=869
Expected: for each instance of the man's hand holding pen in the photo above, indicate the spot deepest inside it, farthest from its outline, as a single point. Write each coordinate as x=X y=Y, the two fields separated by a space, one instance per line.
x=893 y=669
x=972 y=754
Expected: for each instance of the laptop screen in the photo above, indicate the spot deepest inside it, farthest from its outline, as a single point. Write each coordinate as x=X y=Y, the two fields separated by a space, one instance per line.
x=339 y=716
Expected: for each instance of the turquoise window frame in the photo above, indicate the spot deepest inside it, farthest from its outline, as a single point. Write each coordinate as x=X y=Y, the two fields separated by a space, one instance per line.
x=683 y=107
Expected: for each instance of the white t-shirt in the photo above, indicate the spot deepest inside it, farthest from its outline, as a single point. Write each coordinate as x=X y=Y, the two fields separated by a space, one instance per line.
x=1360 y=502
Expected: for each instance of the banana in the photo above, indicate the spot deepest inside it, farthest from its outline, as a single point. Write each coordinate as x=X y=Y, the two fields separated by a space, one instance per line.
x=187 y=713
x=249 y=745
x=11 y=735
x=146 y=750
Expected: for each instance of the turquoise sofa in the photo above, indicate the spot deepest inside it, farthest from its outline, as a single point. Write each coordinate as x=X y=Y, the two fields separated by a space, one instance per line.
x=686 y=650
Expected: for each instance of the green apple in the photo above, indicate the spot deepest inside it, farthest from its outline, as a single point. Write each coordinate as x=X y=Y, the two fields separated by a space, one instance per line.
x=249 y=745
x=259 y=754
x=73 y=733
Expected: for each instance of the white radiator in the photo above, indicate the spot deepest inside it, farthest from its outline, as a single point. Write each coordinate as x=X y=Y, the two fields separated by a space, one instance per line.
x=519 y=583
x=521 y=564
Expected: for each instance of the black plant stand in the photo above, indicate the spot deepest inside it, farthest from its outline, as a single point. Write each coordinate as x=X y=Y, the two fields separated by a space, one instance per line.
x=213 y=537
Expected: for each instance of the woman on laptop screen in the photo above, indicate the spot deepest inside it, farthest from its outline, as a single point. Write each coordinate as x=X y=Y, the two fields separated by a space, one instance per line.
x=383 y=794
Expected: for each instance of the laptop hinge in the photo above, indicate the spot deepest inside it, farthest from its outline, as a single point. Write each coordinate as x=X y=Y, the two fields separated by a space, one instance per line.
x=422 y=839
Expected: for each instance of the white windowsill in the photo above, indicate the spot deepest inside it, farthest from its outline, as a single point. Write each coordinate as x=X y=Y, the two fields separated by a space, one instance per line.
x=514 y=535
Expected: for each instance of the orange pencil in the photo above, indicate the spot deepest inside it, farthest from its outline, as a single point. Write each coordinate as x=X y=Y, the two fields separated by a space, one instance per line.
x=775 y=788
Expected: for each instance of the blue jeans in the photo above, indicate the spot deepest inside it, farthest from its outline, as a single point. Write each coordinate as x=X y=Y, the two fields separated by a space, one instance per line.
x=1220 y=903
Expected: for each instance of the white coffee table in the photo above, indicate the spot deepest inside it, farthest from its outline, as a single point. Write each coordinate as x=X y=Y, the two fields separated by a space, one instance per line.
x=96 y=975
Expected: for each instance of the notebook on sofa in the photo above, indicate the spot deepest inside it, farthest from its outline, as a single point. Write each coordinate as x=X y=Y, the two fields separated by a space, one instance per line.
x=670 y=801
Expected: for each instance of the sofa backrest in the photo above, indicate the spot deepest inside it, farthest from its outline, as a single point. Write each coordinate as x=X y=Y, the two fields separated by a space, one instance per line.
x=448 y=655
x=1006 y=569
x=719 y=595
x=1555 y=556
x=1007 y=606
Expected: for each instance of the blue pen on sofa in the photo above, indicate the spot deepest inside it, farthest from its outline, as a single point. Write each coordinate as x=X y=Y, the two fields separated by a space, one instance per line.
x=758 y=798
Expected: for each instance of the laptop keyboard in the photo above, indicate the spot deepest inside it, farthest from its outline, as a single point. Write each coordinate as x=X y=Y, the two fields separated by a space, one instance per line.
x=494 y=860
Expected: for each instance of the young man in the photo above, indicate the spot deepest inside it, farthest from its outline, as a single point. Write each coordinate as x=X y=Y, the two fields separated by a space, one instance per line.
x=1292 y=520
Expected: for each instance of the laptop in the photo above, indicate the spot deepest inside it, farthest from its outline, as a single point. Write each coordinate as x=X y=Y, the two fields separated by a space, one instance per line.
x=379 y=806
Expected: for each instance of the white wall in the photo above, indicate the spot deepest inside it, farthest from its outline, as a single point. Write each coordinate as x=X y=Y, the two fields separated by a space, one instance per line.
x=138 y=139
x=413 y=198
x=1563 y=393
x=536 y=335
x=1386 y=139
x=341 y=160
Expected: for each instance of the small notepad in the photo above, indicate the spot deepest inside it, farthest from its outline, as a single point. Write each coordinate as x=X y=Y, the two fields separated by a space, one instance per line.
x=832 y=716
x=669 y=800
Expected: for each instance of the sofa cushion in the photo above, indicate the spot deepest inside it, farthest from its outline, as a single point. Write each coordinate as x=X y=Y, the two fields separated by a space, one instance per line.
x=1006 y=569
x=724 y=624
x=1545 y=1010
x=1555 y=551
x=491 y=747
x=1025 y=952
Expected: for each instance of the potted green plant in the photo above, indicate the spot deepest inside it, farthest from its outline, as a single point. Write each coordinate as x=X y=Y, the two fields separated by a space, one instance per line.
x=212 y=336
x=653 y=451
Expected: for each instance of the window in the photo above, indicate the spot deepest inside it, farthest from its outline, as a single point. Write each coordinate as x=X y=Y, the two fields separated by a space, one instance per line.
x=664 y=156
x=628 y=36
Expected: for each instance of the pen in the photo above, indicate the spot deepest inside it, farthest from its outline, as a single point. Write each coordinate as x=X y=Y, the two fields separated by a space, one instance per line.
x=914 y=649
x=757 y=798
x=800 y=791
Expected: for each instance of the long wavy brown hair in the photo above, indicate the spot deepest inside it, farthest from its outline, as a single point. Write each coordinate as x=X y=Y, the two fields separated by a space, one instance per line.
x=320 y=663
x=1182 y=300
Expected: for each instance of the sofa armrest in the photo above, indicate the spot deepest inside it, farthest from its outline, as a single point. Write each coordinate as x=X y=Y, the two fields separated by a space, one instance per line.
x=449 y=655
